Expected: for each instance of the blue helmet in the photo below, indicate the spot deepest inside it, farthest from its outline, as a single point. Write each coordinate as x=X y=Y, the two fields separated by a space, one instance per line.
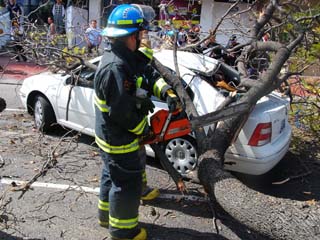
x=124 y=20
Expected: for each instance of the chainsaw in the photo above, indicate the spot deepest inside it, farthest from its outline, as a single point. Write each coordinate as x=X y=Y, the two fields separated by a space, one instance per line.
x=167 y=125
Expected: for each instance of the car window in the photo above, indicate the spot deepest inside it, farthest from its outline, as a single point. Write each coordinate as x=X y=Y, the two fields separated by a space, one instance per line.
x=82 y=77
x=87 y=74
x=85 y=77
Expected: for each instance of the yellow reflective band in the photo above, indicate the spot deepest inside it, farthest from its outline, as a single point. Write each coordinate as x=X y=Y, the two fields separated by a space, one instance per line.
x=121 y=22
x=171 y=93
x=124 y=22
x=105 y=224
x=139 y=82
x=101 y=104
x=140 y=127
x=104 y=206
x=159 y=84
x=148 y=52
x=123 y=223
x=144 y=177
x=133 y=146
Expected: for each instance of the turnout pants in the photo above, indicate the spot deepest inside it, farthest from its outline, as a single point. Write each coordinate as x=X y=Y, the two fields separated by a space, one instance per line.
x=120 y=192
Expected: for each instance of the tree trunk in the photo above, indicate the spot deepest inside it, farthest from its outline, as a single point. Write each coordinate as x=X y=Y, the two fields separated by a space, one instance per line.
x=273 y=217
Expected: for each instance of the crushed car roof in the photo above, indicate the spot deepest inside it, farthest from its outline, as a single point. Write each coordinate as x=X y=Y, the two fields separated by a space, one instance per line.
x=192 y=61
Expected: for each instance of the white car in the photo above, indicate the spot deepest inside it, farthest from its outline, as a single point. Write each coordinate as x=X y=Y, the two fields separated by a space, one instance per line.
x=261 y=144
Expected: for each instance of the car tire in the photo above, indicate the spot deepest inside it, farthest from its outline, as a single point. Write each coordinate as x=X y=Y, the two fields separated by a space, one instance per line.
x=43 y=114
x=182 y=153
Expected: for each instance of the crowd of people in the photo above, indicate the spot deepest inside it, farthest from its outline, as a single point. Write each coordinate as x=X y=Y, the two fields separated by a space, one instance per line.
x=186 y=35
x=55 y=27
x=192 y=36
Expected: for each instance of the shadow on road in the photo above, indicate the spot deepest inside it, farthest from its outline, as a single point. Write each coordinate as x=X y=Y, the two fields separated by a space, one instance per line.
x=5 y=236
x=203 y=210
x=157 y=232
x=296 y=177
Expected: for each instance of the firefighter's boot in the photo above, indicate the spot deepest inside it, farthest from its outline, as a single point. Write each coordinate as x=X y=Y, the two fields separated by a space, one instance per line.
x=149 y=194
x=142 y=235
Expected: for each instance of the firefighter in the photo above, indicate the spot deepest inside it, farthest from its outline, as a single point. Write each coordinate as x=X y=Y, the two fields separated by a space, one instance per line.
x=122 y=89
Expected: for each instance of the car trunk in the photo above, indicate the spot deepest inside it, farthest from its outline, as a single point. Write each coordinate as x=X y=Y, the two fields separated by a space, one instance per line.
x=269 y=109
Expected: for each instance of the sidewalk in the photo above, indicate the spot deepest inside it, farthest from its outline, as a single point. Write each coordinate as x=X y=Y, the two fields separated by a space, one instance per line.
x=18 y=70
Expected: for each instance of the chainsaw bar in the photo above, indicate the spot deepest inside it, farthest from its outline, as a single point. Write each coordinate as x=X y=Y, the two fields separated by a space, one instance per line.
x=219 y=115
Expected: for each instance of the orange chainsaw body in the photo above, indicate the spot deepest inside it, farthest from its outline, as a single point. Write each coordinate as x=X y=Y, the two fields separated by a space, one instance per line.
x=177 y=127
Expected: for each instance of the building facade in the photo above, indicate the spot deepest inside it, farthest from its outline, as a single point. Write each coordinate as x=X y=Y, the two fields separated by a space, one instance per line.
x=180 y=12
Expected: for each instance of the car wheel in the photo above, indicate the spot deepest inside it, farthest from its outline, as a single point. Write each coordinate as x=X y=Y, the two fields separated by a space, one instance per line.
x=182 y=153
x=43 y=114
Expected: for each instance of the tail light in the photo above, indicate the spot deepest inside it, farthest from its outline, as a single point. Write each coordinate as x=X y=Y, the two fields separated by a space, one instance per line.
x=261 y=135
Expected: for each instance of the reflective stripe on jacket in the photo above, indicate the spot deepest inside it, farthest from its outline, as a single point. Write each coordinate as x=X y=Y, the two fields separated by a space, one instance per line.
x=118 y=120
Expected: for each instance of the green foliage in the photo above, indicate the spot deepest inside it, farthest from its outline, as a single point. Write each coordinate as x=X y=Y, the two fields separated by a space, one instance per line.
x=306 y=107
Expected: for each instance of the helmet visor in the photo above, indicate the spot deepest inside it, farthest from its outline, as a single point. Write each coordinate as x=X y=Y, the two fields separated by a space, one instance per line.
x=148 y=12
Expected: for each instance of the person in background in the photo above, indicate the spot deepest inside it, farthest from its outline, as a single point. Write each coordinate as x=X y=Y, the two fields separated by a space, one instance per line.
x=58 y=13
x=16 y=15
x=15 y=11
x=182 y=37
x=93 y=36
x=212 y=46
x=193 y=34
x=52 y=29
x=17 y=37
x=165 y=30
x=232 y=42
x=193 y=37
x=231 y=56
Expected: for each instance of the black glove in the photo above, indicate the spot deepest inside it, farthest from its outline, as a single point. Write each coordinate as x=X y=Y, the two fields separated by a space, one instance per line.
x=147 y=136
x=145 y=105
x=172 y=100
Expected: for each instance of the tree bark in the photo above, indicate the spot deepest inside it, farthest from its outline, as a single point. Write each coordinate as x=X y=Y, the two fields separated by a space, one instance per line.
x=273 y=217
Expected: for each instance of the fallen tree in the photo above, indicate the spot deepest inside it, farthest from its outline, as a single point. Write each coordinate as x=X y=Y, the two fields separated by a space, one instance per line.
x=273 y=217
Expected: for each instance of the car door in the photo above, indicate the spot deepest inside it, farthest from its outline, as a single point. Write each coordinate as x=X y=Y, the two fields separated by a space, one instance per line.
x=75 y=101
x=80 y=106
